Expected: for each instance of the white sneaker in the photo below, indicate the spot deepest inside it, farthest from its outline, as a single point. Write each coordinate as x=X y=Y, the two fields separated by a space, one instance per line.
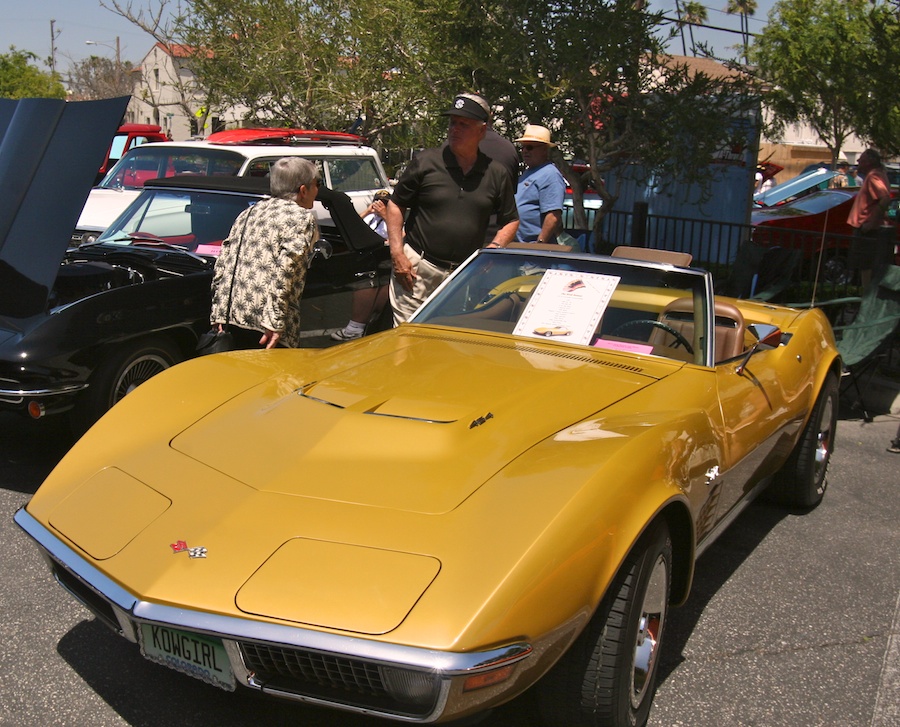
x=345 y=334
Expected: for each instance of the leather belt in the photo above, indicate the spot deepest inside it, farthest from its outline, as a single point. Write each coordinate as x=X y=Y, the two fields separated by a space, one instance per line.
x=445 y=265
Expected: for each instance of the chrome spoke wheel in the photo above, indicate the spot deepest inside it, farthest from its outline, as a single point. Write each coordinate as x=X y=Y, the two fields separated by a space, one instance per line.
x=652 y=618
x=139 y=371
x=824 y=439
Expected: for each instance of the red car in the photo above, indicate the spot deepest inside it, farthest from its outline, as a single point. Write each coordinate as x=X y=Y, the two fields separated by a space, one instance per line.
x=814 y=222
x=127 y=137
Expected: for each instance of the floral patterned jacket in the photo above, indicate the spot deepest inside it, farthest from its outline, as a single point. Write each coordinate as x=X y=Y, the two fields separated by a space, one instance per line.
x=261 y=270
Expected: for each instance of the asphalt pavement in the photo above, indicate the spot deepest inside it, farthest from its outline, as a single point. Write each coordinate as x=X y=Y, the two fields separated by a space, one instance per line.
x=793 y=621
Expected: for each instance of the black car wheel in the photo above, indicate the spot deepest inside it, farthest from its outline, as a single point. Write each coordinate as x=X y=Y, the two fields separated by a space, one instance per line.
x=837 y=270
x=120 y=373
x=608 y=676
x=803 y=479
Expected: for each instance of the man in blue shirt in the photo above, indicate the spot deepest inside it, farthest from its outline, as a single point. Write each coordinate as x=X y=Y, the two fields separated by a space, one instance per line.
x=541 y=189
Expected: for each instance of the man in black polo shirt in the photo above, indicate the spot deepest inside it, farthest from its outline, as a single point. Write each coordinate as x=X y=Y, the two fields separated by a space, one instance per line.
x=450 y=193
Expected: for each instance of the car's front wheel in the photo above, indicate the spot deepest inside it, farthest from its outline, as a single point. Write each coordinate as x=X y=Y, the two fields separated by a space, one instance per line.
x=608 y=676
x=802 y=480
x=120 y=373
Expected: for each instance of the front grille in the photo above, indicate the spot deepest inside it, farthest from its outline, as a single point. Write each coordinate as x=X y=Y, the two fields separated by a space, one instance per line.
x=329 y=670
x=332 y=678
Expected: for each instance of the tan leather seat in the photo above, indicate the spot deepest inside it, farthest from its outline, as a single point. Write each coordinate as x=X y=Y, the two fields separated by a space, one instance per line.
x=729 y=327
x=650 y=254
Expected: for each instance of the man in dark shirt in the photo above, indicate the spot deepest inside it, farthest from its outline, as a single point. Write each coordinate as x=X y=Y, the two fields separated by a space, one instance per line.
x=450 y=193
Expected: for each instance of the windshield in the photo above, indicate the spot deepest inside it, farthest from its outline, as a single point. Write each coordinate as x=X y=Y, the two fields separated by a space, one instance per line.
x=154 y=162
x=605 y=303
x=796 y=187
x=197 y=221
x=811 y=204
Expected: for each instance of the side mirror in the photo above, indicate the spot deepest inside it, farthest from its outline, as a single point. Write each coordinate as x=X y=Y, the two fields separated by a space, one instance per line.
x=767 y=336
x=322 y=249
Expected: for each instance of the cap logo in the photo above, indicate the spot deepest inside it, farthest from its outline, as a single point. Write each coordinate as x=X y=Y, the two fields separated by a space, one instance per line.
x=459 y=103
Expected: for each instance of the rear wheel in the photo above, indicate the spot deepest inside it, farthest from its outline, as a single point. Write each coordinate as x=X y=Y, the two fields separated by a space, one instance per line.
x=608 y=676
x=120 y=373
x=802 y=480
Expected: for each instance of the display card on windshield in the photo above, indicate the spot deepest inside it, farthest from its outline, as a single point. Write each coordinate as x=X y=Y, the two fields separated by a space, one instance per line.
x=567 y=304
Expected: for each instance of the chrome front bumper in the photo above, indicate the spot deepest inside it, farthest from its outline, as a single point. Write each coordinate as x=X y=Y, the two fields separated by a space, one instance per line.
x=449 y=697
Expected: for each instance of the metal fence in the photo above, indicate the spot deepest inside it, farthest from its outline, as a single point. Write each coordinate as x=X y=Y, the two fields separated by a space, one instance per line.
x=785 y=265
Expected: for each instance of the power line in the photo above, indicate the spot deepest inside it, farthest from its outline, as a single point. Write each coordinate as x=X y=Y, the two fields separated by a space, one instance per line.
x=708 y=27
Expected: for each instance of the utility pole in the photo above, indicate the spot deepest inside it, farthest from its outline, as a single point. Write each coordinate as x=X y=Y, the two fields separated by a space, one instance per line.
x=53 y=36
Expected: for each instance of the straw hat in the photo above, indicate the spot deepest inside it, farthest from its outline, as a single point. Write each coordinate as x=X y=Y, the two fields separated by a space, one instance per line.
x=540 y=134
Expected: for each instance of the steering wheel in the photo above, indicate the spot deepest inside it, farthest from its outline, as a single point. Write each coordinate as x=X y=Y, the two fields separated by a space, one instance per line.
x=676 y=334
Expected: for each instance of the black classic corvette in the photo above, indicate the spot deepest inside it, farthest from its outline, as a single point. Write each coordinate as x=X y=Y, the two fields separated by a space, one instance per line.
x=80 y=327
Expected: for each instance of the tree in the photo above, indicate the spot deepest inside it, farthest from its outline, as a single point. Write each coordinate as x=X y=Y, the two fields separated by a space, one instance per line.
x=20 y=79
x=97 y=78
x=381 y=67
x=879 y=121
x=388 y=67
x=744 y=8
x=813 y=54
x=690 y=13
x=614 y=98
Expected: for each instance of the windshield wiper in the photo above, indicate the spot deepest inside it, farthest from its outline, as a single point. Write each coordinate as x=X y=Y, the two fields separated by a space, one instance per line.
x=144 y=239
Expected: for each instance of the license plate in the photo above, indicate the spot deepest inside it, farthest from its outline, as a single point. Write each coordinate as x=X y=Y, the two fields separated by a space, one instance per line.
x=202 y=657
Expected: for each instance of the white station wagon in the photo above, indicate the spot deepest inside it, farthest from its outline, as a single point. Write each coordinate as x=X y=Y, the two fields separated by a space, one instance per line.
x=345 y=163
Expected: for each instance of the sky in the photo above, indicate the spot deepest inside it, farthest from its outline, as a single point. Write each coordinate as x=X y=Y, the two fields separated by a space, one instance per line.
x=26 y=25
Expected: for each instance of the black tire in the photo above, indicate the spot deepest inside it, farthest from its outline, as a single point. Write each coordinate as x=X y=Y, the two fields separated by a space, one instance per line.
x=608 y=676
x=803 y=479
x=120 y=373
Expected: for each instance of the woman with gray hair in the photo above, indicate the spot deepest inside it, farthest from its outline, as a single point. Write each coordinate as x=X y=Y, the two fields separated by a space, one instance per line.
x=261 y=270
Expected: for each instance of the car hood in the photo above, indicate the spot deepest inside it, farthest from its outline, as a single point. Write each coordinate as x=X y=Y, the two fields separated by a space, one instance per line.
x=812 y=204
x=50 y=151
x=420 y=400
x=103 y=206
x=319 y=481
x=793 y=187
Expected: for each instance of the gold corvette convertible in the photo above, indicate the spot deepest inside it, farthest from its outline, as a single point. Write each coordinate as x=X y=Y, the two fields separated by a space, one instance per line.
x=423 y=523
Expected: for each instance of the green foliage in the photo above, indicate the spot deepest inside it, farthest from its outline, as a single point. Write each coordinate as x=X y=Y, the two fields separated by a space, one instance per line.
x=607 y=88
x=20 y=79
x=327 y=64
x=592 y=69
x=879 y=120
x=815 y=56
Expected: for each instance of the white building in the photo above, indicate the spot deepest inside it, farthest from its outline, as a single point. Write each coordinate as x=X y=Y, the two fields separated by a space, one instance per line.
x=166 y=93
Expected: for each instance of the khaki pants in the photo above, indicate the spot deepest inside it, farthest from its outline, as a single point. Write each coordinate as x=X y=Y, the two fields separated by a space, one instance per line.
x=428 y=277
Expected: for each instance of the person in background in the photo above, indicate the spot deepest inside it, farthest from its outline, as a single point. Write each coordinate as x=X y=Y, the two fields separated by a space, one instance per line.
x=261 y=271
x=367 y=303
x=872 y=243
x=450 y=193
x=841 y=179
x=541 y=189
x=894 y=446
x=502 y=150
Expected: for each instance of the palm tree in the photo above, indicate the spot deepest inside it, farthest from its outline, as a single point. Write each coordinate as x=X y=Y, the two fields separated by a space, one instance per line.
x=745 y=8
x=691 y=13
